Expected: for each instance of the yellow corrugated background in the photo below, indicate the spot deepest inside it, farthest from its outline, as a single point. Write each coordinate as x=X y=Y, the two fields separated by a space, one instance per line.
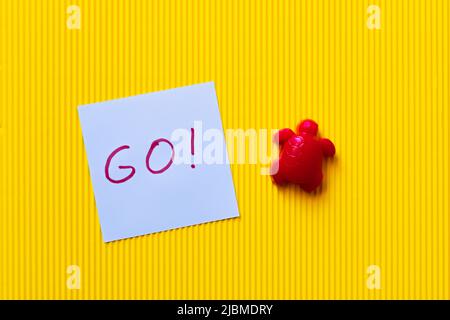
x=381 y=95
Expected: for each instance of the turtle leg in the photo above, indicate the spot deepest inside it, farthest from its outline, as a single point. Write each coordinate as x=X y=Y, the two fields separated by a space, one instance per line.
x=328 y=148
x=276 y=174
x=282 y=136
x=313 y=184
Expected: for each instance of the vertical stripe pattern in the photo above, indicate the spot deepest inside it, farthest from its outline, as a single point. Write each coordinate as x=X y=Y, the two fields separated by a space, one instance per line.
x=381 y=95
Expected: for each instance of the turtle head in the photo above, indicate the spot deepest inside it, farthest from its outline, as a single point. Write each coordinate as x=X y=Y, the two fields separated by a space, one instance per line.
x=308 y=126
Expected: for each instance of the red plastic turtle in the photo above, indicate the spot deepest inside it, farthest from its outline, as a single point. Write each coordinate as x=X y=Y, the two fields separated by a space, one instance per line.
x=301 y=154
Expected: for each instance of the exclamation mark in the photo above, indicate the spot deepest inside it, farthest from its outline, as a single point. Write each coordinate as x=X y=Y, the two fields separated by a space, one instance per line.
x=192 y=147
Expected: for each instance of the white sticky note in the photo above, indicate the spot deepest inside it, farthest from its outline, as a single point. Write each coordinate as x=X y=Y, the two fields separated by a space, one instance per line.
x=147 y=162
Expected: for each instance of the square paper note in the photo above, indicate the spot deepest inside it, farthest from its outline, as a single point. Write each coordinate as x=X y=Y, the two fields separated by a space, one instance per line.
x=158 y=161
